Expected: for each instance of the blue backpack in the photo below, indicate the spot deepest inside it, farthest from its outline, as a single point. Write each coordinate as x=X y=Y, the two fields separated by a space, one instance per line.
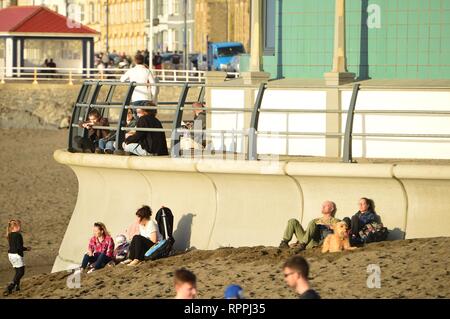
x=161 y=249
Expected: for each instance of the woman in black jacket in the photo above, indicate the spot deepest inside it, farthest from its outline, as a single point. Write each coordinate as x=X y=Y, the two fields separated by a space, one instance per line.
x=15 y=254
x=146 y=143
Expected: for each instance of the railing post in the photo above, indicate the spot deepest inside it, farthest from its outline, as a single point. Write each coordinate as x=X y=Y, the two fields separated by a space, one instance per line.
x=175 y=150
x=35 y=77
x=3 y=76
x=70 y=78
x=348 y=139
x=201 y=95
x=80 y=98
x=123 y=119
x=252 y=152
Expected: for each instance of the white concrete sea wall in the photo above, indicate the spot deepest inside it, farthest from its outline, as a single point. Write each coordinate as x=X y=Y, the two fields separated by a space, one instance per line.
x=218 y=203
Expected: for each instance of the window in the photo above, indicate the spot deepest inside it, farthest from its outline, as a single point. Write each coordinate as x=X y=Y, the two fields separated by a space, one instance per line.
x=269 y=27
x=82 y=16
x=176 y=7
x=92 y=12
x=147 y=9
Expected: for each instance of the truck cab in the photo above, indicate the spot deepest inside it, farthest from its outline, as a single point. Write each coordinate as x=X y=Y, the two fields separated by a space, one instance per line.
x=220 y=54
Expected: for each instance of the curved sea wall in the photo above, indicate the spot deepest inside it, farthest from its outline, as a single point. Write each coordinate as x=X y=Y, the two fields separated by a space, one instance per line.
x=219 y=203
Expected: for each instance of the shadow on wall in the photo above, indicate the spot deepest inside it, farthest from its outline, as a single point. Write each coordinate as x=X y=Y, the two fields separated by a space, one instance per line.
x=396 y=234
x=364 y=43
x=182 y=234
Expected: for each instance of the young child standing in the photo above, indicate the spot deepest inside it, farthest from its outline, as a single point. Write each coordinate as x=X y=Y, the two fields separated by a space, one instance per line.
x=15 y=254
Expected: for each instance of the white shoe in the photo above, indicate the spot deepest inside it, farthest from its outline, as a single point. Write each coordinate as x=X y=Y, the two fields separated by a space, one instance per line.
x=91 y=271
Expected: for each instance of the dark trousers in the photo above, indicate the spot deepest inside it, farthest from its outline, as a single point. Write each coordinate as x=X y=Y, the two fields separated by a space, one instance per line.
x=139 y=246
x=99 y=260
x=85 y=143
x=18 y=276
x=355 y=225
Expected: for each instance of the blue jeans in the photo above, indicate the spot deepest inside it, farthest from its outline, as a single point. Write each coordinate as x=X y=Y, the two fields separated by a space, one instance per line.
x=100 y=260
x=103 y=145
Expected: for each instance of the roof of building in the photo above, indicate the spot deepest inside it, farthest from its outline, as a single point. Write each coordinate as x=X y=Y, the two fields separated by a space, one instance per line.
x=38 y=19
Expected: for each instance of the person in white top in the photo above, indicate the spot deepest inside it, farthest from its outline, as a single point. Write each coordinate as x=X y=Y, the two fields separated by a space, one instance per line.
x=141 y=74
x=148 y=236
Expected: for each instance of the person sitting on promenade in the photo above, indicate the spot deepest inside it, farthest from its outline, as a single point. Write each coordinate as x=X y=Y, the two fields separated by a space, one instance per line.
x=147 y=143
x=185 y=283
x=316 y=231
x=199 y=123
x=108 y=144
x=365 y=226
x=296 y=272
x=148 y=236
x=90 y=142
x=100 y=249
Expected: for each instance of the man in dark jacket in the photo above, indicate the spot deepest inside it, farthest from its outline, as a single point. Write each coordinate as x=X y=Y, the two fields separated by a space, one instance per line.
x=146 y=143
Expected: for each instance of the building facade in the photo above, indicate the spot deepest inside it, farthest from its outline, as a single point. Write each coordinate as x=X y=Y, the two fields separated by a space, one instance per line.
x=385 y=39
x=168 y=24
x=221 y=21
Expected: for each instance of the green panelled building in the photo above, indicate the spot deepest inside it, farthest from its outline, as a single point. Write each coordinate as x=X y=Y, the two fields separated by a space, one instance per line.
x=385 y=39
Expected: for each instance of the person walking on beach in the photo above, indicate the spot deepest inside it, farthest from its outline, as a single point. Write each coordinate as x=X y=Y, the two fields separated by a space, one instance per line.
x=15 y=254
x=100 y=249
x=296 y=272
x=185 y=283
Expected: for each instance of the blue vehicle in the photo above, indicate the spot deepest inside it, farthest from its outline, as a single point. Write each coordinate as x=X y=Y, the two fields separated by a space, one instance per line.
x=220 y=54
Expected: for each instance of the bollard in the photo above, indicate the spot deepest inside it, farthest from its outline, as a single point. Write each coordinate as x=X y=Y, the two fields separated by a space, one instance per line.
x=35 y=76
x=70 y=78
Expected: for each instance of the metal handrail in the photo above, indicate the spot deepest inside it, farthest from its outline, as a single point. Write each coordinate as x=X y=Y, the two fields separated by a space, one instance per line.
x=252 y=132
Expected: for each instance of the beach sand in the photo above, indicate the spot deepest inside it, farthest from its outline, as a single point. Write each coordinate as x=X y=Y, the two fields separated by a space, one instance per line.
x=34 y=188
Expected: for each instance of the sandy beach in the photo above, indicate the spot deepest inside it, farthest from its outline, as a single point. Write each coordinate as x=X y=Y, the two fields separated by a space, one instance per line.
x=43 y=193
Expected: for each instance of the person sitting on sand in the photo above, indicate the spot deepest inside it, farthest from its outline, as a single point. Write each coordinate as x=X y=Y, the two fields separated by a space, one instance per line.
x=365 y=222
x=147 y=143
x=185 y=283
x=89 y=143
x=100 y=249
x=296 y=272
x=316 y=231
x=15 y=254
x=121 y=251
x=148 y=236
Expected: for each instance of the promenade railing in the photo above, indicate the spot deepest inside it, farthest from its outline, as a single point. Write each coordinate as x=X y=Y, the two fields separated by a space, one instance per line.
x=88 y=99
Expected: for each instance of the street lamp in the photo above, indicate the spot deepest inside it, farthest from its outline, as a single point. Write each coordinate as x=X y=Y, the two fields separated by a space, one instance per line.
x=185 y=35
x=107 y=26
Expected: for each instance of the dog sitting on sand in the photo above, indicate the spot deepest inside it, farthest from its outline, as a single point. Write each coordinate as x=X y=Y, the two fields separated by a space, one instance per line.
x=338 y=241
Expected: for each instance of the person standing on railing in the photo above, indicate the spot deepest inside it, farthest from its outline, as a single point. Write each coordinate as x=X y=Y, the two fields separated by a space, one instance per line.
x=141 y=74
x=146 y=143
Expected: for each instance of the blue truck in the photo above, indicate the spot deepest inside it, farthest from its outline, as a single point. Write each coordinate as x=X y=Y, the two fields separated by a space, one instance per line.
x=220 y=55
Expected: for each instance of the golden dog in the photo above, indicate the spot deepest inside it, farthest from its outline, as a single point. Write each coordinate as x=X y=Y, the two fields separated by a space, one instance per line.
x=337 y=241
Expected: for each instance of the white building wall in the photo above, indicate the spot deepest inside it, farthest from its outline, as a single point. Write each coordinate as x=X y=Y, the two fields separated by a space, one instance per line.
x=414 y=148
